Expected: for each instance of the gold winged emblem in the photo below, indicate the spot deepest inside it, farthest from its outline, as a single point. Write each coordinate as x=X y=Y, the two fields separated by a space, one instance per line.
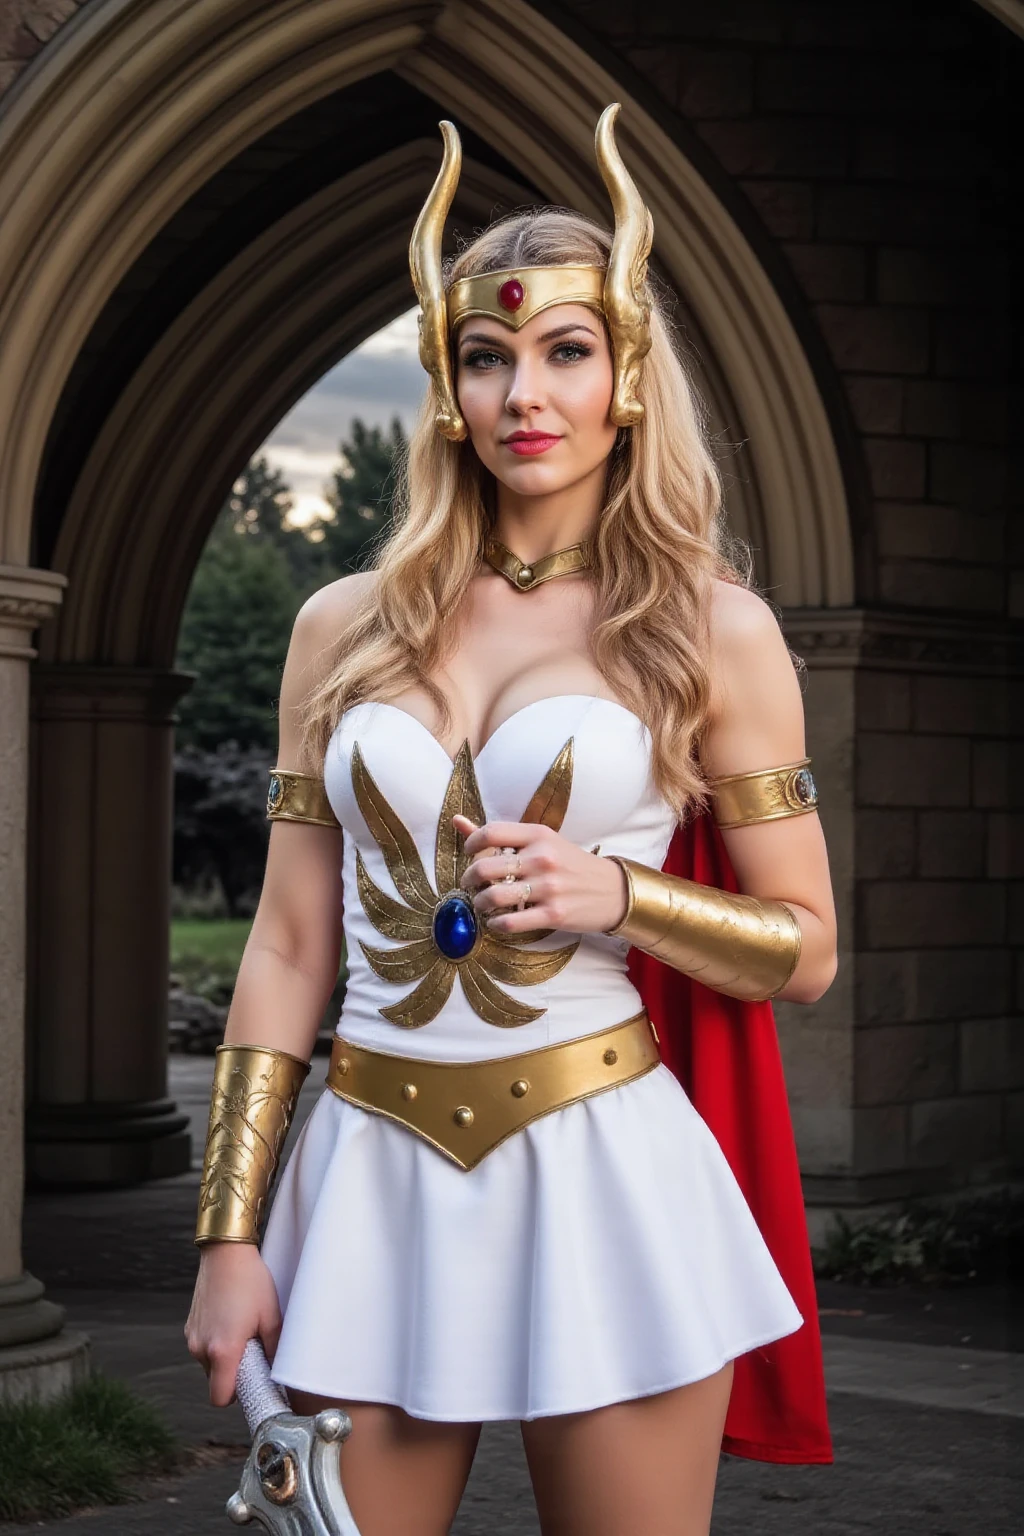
x=442 y=936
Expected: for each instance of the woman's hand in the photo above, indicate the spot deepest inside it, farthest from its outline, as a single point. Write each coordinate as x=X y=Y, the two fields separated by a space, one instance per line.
x=570 y=889
x=235 y=1300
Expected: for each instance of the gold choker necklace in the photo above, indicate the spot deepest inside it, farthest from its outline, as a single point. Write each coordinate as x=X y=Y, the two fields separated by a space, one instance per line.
x=575 y=557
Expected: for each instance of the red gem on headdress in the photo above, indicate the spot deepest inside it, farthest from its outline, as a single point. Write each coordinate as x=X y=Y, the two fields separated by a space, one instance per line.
x=511 y=294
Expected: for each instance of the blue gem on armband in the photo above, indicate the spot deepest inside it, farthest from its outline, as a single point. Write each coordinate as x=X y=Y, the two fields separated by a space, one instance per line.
x=455 y=927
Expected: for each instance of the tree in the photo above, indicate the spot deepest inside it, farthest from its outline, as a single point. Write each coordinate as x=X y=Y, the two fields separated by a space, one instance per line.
x=220 y=827
x=234 y=634
x=258 y=506
x=361 y=495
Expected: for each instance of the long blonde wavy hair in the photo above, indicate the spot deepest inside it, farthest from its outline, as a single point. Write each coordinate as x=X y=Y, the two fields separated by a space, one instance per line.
x=659 y=544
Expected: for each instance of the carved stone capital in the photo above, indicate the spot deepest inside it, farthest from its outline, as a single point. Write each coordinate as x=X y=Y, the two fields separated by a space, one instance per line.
x=892 y=640
x=97 y=692
x=28 y=597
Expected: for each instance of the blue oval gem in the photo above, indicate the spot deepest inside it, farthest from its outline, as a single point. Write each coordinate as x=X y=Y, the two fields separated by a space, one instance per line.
x=455 y=927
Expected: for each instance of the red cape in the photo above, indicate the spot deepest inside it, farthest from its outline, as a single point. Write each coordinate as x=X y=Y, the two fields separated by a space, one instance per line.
x=726 y=1055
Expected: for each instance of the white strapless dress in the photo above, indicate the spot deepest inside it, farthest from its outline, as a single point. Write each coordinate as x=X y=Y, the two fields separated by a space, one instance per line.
x=603 y=1252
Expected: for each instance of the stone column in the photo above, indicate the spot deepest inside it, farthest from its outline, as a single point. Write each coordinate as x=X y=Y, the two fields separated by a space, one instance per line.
x=37 y=1357
x=818 y=1042
x=99 y=904
x=907 y=1079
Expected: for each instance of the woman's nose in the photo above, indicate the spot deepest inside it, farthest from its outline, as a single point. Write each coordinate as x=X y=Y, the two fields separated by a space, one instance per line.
x=526 y=391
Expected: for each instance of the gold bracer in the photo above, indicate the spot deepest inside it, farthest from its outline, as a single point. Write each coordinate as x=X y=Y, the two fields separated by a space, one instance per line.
x=467 y=1108
x=295 y=796
x=734 y=944
x=742 y=799
x=255 y=1088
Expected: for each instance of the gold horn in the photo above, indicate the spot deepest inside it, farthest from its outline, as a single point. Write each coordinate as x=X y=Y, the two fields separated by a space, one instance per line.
x=425 y=266
x=626 y=307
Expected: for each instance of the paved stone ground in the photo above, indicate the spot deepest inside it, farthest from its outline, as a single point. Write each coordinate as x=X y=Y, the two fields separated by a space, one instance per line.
x=926 y=1393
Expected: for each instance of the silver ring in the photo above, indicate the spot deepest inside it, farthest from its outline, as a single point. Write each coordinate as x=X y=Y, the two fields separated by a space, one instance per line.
x=527 y=891
x=509 y=853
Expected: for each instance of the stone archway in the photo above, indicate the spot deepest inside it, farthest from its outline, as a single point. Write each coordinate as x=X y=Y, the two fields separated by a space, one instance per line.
x=131 y=109
x=161 y=97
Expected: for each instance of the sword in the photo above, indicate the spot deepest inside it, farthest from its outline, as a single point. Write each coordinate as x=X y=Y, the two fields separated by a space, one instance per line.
x=291 y=1482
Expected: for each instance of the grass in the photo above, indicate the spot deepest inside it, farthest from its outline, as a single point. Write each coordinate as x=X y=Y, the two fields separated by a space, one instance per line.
x=206 y=954
x=83 y=1448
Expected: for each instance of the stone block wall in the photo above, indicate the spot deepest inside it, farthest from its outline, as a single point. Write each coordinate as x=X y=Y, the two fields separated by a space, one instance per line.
x=872 y=151
x=939 y=1055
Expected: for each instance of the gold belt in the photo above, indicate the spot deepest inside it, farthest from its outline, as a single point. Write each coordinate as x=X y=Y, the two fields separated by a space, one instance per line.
x=467 y=1108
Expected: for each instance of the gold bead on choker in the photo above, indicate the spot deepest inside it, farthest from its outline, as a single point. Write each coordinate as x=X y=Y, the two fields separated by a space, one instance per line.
x=562 y=562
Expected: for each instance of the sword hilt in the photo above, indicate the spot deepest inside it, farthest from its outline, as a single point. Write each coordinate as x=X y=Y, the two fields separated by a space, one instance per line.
x=259 y=1395
x=291 y=1483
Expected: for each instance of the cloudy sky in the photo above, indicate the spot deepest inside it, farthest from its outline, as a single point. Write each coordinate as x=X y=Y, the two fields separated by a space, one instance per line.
x=377 y=381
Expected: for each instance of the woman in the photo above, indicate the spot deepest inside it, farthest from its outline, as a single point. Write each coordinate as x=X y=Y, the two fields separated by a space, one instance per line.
x=505 y=1205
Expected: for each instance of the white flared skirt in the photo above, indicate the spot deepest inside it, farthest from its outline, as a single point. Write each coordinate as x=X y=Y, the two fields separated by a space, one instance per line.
x=603 y=1252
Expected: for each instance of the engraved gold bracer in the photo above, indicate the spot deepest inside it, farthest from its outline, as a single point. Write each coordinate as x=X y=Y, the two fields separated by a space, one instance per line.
x=295 y=796
x=741 y=799
x=734 y=944
x=255 y=1088
x=514 y=295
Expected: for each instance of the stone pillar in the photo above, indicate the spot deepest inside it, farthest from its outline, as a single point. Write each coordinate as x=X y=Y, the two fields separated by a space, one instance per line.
x=37 y=1357
x=99 y=904
x=907 y=1079
x=817 y=1042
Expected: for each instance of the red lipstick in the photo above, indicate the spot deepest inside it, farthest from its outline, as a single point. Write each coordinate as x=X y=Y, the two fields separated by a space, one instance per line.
x=531 y=442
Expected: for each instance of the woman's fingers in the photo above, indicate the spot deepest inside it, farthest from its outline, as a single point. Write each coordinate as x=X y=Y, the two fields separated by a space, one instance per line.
x=497 y=834
x=505 y=896
x=223 y=1359
x=491 y=867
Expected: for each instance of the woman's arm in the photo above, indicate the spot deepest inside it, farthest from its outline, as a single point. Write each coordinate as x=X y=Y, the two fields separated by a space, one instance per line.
x=757 y=722
x=291 y=958
x=287 y=973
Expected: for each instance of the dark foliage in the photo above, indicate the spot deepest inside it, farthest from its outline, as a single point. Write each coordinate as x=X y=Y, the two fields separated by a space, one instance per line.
x=973 y=1239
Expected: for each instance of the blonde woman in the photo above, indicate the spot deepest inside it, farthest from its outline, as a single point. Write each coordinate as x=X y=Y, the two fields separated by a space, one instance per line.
x=555 y=747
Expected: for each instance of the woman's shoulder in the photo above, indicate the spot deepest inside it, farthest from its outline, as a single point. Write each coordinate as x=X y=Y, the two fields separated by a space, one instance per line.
x=749 y=656
x=741 y=621
x=329 y=610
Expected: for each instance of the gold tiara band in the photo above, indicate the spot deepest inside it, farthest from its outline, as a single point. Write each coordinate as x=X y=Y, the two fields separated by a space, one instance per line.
x=516 y=295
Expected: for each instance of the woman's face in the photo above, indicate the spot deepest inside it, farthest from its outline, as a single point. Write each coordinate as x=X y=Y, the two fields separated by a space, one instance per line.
x=536 y=400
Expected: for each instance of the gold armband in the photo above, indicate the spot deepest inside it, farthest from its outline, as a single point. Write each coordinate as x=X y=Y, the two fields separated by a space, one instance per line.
x=743 y=798
x=298 y=797
x=255 y=1089
x=734 y=944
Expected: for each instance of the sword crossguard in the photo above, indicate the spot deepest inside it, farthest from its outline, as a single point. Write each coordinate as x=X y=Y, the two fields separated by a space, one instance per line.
x=291 y=1481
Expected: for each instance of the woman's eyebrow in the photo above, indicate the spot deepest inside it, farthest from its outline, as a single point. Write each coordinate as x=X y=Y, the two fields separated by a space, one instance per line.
x=563 y=330
x=488 y=341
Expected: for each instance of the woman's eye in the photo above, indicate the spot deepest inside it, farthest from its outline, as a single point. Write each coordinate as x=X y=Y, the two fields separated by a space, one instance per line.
x=571 y=351
x=482 y=359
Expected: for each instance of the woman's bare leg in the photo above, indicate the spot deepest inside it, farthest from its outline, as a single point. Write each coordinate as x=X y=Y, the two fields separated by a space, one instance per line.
x=402 y=1476
x=647 y=1465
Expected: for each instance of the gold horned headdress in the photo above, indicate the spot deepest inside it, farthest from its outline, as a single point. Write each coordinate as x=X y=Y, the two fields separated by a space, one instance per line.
x=515 y=295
